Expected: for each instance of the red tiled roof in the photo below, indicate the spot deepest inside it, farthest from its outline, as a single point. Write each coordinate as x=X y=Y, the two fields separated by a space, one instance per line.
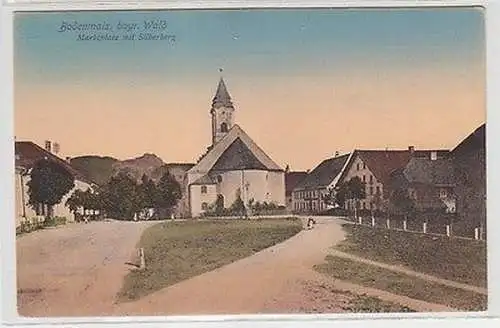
x=27 y=153
x=473 y=142
x=292 y=179
x=383 y=162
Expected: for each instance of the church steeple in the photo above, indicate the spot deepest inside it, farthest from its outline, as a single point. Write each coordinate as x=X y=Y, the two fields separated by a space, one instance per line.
x=222 y=112
x=222 y=97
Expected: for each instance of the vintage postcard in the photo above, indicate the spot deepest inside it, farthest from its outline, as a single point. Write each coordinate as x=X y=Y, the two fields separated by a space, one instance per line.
x=256 y=161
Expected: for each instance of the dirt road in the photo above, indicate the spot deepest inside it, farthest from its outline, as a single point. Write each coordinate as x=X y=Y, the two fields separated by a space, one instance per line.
x=78 y=270
x=279 y=279
x=74 y=270
x=245 y=286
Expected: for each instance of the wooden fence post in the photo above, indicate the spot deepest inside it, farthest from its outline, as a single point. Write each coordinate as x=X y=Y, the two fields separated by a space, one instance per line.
x=373 y=221
x=448 y=231
x=476 y=233
x=143 y=260
x=425 y=227
x=388 y=223
x=360 y=220
x=404 y=225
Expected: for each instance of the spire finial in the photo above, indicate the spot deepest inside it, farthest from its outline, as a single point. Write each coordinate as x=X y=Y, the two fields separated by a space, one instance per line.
x=221 y=70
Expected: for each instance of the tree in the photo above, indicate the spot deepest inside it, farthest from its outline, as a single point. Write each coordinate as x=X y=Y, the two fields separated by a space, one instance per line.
x=49 y=182
x=75 y=201
x=354 y=189
x=120 y=197
x=238 y=206
x=401 y=203
x=219 y=205
x=148 y=193
x=169 y=192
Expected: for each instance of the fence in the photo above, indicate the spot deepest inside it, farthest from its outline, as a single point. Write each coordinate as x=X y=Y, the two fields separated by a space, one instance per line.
x=422 y=226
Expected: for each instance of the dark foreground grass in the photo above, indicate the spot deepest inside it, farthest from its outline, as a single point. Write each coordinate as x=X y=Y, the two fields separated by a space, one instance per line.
x=175 y=251
x=401 y=284
x=449 y=258
x=369 y=304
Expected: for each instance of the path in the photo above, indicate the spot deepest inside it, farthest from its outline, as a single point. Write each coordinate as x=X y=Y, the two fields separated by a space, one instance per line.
x=409 y=272
x=245 y=285
x=279 y=279
x=75 y=269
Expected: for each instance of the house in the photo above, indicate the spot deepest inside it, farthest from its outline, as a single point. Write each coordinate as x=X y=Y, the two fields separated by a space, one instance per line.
x=374 y=169
x=292 y=178
x=428 y=182
x=27 y=154
x=469 y=158
x=233 y=166
x=309 y=194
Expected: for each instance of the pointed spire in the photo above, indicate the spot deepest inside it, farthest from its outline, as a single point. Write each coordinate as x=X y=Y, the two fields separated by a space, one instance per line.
x=222 y=97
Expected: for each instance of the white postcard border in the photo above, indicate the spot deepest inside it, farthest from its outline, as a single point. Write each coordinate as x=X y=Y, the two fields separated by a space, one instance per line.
x=7 y=260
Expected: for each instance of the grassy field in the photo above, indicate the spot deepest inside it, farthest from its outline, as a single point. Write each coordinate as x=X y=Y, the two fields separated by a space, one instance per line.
x=369 y=304
x=175 y=251
x=454 y=259
x=400 y=284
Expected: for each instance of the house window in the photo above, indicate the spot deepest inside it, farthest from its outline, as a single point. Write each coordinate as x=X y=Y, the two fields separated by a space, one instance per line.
x=364 y=166
x=357 y=166
x=371 y=190
x=378 y=189
x=442 y=193
x=364 y=178
x=363 y=205
x=223 y=127
x=371 y=178
x=204 y=206
x=219 y=178
x=203 y=189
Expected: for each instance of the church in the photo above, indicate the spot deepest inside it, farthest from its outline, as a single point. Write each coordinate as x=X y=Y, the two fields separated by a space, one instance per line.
x=233 y=166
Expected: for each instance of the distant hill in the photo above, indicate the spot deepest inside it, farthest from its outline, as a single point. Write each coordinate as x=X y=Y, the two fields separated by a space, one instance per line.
x=137 y=167
x=101 y=169
x=96 y=168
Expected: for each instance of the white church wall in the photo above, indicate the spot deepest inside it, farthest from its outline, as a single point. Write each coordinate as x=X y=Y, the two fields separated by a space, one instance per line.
x=197 y=198
x=276 y=186
x=262 y=186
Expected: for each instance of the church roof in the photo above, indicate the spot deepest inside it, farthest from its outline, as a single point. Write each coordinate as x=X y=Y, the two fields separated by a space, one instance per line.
x=204 y=180
x=222 y=97
x=238 y=157
x=235 y=155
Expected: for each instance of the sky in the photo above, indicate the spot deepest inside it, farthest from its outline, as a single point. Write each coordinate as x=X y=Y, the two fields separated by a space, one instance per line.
x=306 y=83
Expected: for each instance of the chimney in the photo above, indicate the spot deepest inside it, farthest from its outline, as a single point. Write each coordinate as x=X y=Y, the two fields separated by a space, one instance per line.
x=48 y=146
x=68 y=159
x=434 y=155
x=411 y=149
x=336 y=154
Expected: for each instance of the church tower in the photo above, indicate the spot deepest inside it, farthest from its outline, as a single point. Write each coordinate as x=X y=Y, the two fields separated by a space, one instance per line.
x=222 y=113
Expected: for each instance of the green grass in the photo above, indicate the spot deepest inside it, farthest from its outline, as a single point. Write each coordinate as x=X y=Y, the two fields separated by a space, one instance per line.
x=368 y=304
x=449 y=258
x=175 y=251
x=401 y=284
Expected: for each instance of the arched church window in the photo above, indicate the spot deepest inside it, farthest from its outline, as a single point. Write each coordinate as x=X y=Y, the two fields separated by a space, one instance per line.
x=219 y=178
x=203 y=189
x=223 y=127
x=204 y=206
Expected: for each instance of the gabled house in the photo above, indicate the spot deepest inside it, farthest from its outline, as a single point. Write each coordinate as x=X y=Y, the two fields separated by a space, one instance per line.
x=309 y=194
x=292 y=179
x=375 y=167
x=429 y=183
x=469 y=158
x=27 y=154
